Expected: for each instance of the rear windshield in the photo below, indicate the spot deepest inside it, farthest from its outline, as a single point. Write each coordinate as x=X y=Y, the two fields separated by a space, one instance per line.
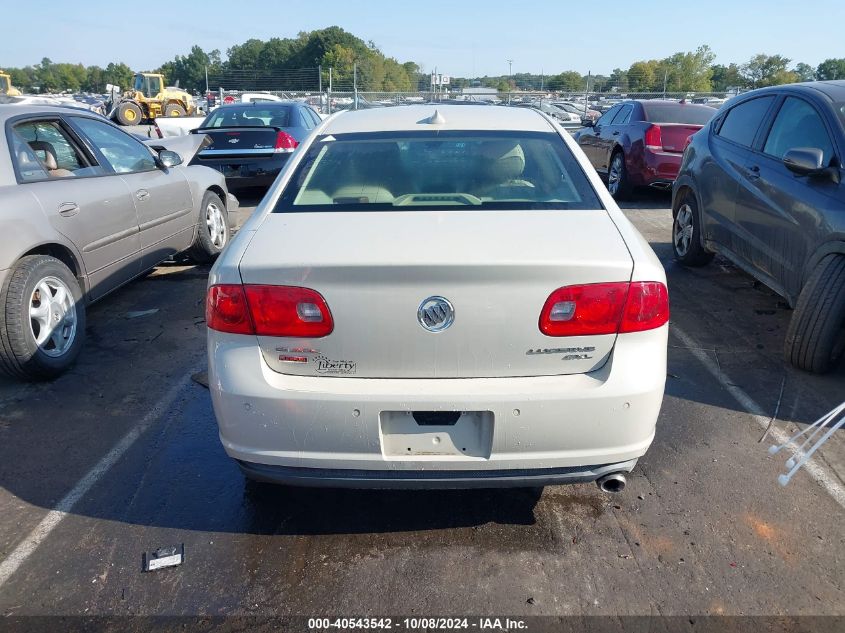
x=677 y=113
x=438 y=171
x=237 y=116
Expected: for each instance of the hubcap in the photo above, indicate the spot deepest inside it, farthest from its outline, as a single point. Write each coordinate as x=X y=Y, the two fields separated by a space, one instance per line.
x=614 y=176
x=216 y=225
x=683 y=230
x=52 y=316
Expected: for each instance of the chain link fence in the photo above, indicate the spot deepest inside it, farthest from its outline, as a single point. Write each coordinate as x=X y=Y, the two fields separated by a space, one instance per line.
x=329 y=90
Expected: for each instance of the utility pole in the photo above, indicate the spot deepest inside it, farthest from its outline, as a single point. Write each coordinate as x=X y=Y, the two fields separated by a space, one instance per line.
x=665 y=79
x=206 y=80
x=510 y=74
x=587 y=93
x=355 y=83
x=320 y=79
x=329 y=93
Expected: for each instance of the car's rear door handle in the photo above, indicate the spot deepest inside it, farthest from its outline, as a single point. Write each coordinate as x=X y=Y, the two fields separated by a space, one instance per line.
x=68 y=209
x=615 y=132
x=142 y=194
x=753 y=172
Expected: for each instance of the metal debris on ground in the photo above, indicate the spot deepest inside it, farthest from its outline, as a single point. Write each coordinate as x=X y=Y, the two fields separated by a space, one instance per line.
x=201 y=378
x=777 y=410
x=140 y=313
x=164 y=557
x=803 y=453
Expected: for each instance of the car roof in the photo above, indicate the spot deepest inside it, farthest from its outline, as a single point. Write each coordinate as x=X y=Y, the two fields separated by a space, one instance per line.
x=833 y=90
x=260 y=104
x=9 y=110
x=455 y=117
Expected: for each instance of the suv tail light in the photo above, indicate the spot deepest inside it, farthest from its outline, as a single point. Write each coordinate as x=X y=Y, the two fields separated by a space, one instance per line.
x=268 y=311
x=607 y=308
x=285 y=143
x=654 y=138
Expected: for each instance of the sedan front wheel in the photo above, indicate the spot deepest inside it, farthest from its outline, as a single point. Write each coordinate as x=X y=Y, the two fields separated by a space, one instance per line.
x=43 y=319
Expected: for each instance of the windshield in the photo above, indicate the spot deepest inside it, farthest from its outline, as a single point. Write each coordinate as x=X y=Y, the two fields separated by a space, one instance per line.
x=4 y=84
x=438 y=171
x=248 y=115
x=677 y=113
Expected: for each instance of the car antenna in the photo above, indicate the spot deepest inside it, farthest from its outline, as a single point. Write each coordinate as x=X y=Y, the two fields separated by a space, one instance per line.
x=435 y=119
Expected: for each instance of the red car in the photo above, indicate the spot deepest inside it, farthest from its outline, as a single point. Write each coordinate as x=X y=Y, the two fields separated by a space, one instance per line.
x=640 y=143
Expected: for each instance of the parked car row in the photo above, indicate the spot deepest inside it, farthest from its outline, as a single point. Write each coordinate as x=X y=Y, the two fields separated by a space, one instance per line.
x=761 y=184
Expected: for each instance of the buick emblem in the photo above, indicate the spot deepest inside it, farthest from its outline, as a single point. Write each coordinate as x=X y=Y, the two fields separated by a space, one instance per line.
x=436 y=314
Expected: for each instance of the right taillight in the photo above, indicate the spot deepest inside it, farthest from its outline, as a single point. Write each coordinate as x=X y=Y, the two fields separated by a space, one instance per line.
x=268 y=311
x=605 y=308
x=285 y=143
x=654 y=138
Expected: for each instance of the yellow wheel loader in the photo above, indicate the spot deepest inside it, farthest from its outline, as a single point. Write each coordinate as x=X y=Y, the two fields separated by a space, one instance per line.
x=149 y=99
x=6 y=87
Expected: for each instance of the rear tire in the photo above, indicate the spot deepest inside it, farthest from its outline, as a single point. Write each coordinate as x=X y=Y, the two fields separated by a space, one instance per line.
x=128 y=113
x=174 y=109
x=212 y=230
x=815 y=340
x=617 y=177
x=42 y=319
x=686 y=234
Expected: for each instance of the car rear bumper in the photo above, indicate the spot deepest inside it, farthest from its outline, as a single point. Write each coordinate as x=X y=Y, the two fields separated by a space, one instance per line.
x=351 y=431
x=427 y=479
x=247 y=172
x=658 y=169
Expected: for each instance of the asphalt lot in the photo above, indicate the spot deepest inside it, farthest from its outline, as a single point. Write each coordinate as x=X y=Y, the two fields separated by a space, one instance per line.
x=702 y=528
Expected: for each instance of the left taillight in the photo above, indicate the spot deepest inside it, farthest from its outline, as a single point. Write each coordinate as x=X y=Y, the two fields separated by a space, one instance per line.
x=605 y=308
x=654 y=138
x=268 y=311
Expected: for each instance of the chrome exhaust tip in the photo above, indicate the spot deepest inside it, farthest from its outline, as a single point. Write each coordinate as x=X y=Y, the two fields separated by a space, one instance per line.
x=614 y=482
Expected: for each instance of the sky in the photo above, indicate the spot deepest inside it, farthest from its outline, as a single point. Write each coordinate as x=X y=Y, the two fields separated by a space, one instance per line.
x=462 y=38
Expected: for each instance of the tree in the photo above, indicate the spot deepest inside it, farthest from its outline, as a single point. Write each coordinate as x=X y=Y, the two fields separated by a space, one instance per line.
x=831 y=69
x=724 y=78
x=688 y=71
x=768 y=70
x=642 y=76
x=804 y=71
x=118 y=75
x=567 y=81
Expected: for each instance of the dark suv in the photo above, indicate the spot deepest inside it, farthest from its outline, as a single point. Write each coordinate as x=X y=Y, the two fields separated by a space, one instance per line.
x=761 y=184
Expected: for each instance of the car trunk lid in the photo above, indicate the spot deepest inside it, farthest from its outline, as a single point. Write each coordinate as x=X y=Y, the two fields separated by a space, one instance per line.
x=674 y=135
x=497 y=269
x=245 y=142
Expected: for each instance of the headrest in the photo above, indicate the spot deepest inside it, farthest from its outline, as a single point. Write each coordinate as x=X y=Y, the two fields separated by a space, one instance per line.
x=507 y=158
x=46 y=153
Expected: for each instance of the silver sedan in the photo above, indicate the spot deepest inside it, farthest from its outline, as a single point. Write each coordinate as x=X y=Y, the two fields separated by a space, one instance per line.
x=84 y=208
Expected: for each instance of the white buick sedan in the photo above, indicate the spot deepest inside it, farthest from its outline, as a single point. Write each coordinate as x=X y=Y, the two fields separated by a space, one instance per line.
x=437 y=297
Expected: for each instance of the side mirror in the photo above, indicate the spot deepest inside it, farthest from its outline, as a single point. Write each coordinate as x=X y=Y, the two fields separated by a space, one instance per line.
x=588 y=122
x=804 y=161
x=169 y=159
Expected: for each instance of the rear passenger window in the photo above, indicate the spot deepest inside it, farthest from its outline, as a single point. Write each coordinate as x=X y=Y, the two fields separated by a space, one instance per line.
x=742 y=122
x=798 y=125
x=623 y=116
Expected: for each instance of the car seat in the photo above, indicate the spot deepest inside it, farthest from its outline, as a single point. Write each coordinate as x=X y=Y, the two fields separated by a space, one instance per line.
x=46 y=153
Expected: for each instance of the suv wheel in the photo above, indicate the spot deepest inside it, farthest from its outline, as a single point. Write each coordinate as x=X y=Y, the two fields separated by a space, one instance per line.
x=815 y=340
x=686 y=234
x=42 y=319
